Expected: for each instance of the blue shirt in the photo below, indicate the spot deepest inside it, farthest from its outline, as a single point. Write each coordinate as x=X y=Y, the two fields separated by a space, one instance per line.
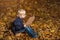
x=18 y=26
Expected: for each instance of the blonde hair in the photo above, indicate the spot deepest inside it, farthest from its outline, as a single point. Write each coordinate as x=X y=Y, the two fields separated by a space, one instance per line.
x=22 y=11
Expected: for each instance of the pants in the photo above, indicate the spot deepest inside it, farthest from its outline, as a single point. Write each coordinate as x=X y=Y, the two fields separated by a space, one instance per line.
x=31 y=32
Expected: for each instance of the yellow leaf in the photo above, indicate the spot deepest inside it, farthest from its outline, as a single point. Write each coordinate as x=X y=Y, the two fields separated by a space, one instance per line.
x=52 y=30
x=32 y=24
x=13 y=14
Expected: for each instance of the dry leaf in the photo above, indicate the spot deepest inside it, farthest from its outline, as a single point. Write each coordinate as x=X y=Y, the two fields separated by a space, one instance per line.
x=30 y=20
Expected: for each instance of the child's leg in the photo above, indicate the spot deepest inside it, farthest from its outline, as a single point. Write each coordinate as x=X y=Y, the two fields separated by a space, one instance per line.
x=31 y=32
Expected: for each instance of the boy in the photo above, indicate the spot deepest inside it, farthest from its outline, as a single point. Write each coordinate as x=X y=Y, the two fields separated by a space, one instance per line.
x=19 y=27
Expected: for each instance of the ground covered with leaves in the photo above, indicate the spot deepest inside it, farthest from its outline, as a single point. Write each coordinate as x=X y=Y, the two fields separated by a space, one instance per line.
x=47 y=21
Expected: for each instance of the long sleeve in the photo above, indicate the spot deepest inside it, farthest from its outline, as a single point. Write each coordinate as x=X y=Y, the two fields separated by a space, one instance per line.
x=18 y=23
x=18 y=26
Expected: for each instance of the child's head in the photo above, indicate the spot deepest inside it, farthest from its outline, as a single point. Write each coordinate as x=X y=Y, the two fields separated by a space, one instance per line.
x=21 y=13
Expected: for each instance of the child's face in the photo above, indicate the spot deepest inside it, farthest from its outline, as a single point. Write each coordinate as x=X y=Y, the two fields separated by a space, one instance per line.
x=22 y=15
